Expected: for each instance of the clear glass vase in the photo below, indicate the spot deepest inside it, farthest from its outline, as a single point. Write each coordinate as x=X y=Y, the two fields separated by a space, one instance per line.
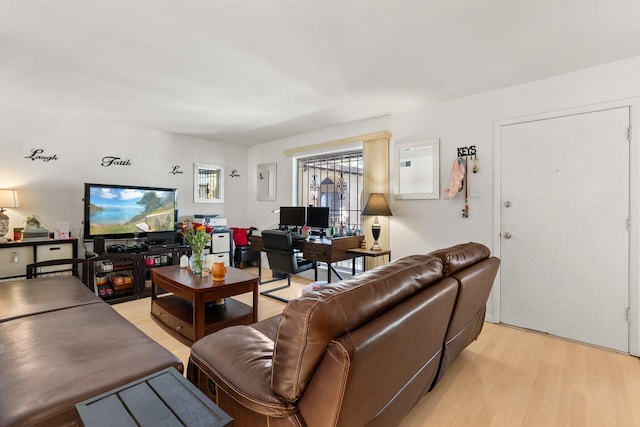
x=196 y=262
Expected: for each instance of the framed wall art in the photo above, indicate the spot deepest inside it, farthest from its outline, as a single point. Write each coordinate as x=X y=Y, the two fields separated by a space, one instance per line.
x=266 y=181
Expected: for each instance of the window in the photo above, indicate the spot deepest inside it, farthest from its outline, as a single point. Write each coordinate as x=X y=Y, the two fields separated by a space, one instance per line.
x=334 y=181
x=208 y=183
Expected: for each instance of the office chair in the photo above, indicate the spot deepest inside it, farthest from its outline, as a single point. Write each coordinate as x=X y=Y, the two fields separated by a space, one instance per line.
x=59 y=267
x=244 y=254
x=282 y=257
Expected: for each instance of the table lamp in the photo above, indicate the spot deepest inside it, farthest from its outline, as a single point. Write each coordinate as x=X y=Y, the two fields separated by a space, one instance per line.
x=8 y=199
x=376 y=206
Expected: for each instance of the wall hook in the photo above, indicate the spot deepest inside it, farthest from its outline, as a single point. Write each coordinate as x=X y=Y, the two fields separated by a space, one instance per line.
x=467 y=151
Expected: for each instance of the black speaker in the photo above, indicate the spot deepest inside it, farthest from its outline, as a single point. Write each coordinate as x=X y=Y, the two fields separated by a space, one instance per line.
x=99 y=246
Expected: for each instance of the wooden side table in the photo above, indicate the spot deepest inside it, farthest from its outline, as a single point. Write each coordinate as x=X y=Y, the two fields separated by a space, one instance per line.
x=164 y=398
x=189 y=312
x=364 y=253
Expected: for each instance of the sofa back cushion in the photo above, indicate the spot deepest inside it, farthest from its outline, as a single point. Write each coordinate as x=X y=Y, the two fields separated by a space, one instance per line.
x=374 y=375
x=474 y=270
x=474 y=286
x=460 y=256
x=310 y=322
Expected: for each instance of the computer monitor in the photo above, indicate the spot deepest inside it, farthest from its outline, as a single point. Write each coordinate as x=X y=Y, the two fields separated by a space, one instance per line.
x=318 y=217
x=292 y=216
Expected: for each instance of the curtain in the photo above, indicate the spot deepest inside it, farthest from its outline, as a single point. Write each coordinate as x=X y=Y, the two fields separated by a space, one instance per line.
x=376 y=180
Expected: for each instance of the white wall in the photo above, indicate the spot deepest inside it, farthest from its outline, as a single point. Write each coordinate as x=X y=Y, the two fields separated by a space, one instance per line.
x=260 y=212
x=54 y=190
x=419 y=226
x=425 y=225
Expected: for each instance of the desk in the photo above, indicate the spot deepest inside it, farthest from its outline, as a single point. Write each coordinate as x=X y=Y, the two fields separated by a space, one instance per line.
x=319 y=250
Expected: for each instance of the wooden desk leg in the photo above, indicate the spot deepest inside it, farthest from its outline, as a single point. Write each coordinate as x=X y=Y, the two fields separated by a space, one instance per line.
x=330 y=268
x=198 y=317
x=256 y=293
x=353 y=264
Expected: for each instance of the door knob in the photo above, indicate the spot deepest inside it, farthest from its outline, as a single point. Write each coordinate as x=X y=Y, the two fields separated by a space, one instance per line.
x=507 y=235
x=507 y=204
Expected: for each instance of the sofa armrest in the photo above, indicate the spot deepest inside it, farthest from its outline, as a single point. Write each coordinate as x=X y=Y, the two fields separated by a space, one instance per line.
x=238 y=359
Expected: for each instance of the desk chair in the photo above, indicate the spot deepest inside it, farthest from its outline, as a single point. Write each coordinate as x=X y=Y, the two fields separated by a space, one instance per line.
x=244 y=254
x=67 y=266
x=282 y=257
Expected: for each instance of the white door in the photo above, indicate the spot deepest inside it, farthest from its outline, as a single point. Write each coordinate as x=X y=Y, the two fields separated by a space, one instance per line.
x=564 y=231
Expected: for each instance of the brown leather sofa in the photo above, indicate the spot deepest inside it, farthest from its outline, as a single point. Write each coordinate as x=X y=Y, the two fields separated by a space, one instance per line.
x=359 y=352
x=59 y=345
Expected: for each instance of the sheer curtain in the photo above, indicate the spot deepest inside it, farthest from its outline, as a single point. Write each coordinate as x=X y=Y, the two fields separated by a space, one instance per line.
x=376 y=180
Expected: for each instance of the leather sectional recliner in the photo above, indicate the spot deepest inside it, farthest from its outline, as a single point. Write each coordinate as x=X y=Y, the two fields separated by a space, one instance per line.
x=59 y=345
x=359 y=352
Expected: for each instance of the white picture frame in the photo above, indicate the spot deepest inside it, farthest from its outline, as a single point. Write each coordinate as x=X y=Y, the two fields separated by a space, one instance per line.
x=208 y=183
x=266 y=181
x=418 y=169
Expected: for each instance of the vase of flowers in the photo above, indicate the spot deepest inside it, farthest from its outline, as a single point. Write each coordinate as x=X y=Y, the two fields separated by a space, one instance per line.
x=196 y=262
x=197 y=236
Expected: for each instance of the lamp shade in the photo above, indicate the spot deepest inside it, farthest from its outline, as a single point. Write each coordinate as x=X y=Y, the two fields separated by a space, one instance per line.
x=377 y=205
x=8 y=199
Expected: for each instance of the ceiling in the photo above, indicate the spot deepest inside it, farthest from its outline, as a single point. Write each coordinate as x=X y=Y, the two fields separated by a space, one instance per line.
x=251 y=71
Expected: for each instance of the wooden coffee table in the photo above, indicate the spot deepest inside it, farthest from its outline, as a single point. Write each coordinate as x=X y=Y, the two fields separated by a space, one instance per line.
x=189 y=312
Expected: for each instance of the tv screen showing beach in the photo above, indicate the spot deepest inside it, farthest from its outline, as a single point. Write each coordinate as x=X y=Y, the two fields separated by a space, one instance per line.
x=130 y=210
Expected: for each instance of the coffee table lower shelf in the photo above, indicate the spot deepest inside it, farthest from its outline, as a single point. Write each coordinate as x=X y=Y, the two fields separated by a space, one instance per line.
x=175 y=315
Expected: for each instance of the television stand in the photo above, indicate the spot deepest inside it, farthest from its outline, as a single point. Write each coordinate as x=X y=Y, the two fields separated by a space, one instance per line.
x=126 y=275
x=163 y=245
x=114 y=249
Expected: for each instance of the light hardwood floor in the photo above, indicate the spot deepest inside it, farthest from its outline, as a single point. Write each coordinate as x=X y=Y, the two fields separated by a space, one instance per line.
x=508 y=377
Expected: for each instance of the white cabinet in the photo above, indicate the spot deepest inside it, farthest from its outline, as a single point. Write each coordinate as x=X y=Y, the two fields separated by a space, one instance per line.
x=51 y=252
x=54 y=251
x=14 y=260
x=221 y=257
x=220 y=242
x=14 y=256
x=221 y=246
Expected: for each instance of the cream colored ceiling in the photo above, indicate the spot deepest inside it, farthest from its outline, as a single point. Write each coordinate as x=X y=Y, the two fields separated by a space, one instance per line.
x=257 y=70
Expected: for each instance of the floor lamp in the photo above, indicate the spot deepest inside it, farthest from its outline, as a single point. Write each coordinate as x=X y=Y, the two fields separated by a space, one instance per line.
x=376 y=206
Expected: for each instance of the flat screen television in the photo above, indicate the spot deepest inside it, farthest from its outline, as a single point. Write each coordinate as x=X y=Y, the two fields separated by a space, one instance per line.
x=126 y=211
x=318 y=217
x=292 y=216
